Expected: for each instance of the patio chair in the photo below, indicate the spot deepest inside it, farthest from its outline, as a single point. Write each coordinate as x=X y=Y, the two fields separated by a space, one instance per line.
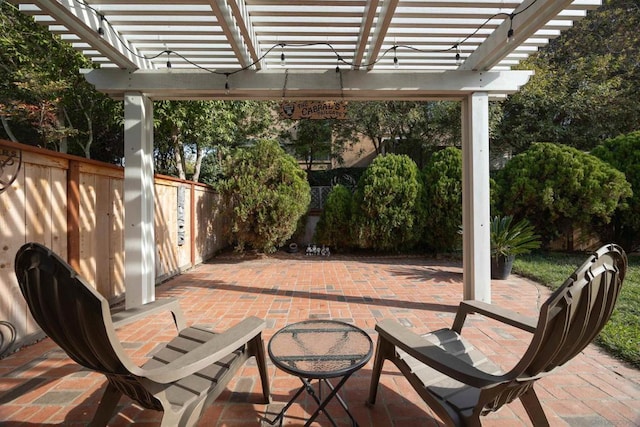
x=460 y=384
x=181 y=379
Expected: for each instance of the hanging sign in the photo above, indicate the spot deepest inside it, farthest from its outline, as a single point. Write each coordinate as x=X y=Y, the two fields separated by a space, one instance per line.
x=314 y=110
x=10 y=161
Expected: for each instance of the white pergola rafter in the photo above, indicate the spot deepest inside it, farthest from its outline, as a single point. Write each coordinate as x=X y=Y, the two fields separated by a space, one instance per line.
x=236 y=32
x=380 y=31
x=531 y=15
x=243 y=20
x=85 y=23
x=368 y=15
x=232 y=34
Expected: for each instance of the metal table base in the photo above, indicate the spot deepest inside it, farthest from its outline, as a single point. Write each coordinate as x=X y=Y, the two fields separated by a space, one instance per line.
x=319 y=350
x=308 y=387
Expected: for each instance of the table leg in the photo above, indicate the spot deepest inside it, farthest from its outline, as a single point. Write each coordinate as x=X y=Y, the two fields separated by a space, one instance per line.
x=280 y=416
x=318 y=401
x=331 y=395
x=343 y=404
x=306 y=385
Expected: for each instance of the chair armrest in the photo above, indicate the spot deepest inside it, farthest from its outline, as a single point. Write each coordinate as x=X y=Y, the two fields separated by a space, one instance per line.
x=134 y=314
x=219 y=346
x=493 y=311
x=434 y=356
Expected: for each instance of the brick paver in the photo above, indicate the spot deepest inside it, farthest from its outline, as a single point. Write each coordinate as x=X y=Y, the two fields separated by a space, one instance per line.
x=40 y=385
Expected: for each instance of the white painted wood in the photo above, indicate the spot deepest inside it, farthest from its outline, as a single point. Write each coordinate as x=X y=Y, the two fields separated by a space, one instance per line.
x=381 y=27
x=368 y=15
x=308 y=85
x=230 y=28
x=534 y=15
x=230 y=35
x=247 y=30
x=85 y=24
x=139 y=238
x=475 y=198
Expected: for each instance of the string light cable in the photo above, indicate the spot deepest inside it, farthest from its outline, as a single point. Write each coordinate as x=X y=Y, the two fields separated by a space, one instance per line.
x=340 y=60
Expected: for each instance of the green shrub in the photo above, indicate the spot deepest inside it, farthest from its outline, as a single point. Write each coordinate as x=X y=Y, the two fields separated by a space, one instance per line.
x=443 y=199
x=388 y=204
x=267 y=192
x=558 y=187
x=623 y=153
x=334 y=226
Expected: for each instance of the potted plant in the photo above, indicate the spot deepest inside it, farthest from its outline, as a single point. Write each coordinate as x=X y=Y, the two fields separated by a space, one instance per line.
x=509 y=239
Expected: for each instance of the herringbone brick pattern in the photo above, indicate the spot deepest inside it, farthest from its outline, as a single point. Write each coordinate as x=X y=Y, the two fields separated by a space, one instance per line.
x=40 y=385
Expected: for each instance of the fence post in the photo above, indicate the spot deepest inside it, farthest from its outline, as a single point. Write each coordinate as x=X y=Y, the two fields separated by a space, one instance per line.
x=73 y=214
x=192 y=225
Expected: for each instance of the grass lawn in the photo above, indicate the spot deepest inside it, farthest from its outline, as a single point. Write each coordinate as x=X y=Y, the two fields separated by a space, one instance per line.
x=621 y=336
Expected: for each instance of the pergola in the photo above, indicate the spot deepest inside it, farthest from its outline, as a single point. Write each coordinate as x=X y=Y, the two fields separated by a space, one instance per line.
x=307 y=50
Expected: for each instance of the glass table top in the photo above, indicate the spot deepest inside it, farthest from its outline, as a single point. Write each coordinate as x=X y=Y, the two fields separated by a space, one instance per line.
x=320 y=348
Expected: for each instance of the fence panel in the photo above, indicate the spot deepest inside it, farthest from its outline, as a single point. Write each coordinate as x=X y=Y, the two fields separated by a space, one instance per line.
x=75 y=206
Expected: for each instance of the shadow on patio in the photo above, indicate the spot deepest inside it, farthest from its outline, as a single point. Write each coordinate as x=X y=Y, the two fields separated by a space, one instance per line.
x=40 y=385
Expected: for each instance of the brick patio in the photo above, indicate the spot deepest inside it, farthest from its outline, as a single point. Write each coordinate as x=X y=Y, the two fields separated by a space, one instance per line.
x=40 y=385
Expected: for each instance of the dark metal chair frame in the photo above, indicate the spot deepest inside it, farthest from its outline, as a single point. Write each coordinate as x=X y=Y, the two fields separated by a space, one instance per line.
x=460 y=384
x=181 y=379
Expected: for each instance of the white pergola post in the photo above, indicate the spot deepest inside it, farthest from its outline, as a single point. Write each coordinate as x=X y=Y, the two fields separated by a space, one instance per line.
x=476 y=243
x=139 y=239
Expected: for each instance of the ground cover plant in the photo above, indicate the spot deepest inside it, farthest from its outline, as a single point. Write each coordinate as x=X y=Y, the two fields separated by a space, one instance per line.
x=621 y=336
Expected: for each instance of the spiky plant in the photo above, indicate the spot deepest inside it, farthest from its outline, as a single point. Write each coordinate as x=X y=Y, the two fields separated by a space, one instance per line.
x=509 y=238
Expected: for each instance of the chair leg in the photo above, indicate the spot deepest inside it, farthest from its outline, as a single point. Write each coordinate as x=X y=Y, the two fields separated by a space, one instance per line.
x=258 y=351
x=534 y=409
x=107 y=406
x=382 y=347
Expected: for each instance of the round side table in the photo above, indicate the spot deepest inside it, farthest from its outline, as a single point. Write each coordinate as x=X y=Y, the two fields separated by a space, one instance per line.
x=320 y=349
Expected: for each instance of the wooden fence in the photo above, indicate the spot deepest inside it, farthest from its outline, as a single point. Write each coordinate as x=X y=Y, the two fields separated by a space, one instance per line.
x=75 y=207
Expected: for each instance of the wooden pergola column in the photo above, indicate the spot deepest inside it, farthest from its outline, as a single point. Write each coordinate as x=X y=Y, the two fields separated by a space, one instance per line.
x=139 y=234
x=476 y=252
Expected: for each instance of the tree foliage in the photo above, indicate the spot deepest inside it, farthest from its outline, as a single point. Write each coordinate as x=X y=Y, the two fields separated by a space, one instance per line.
x=44 y=100
x=312 y=140
x=388 y=204
x=623 y=153
x=268 y=192
x=186 y=132
x=559 y=187
x=402 y=127
x=585 y=87
x=443 y=201
x=334 y=226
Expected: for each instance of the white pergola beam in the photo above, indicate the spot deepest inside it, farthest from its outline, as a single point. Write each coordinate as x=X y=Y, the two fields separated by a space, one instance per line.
x=231 y=31
x=369 y=14
x=84 y=22
x=532 y=15
x=268 y=84
x=380 y=32
x=245 y=26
